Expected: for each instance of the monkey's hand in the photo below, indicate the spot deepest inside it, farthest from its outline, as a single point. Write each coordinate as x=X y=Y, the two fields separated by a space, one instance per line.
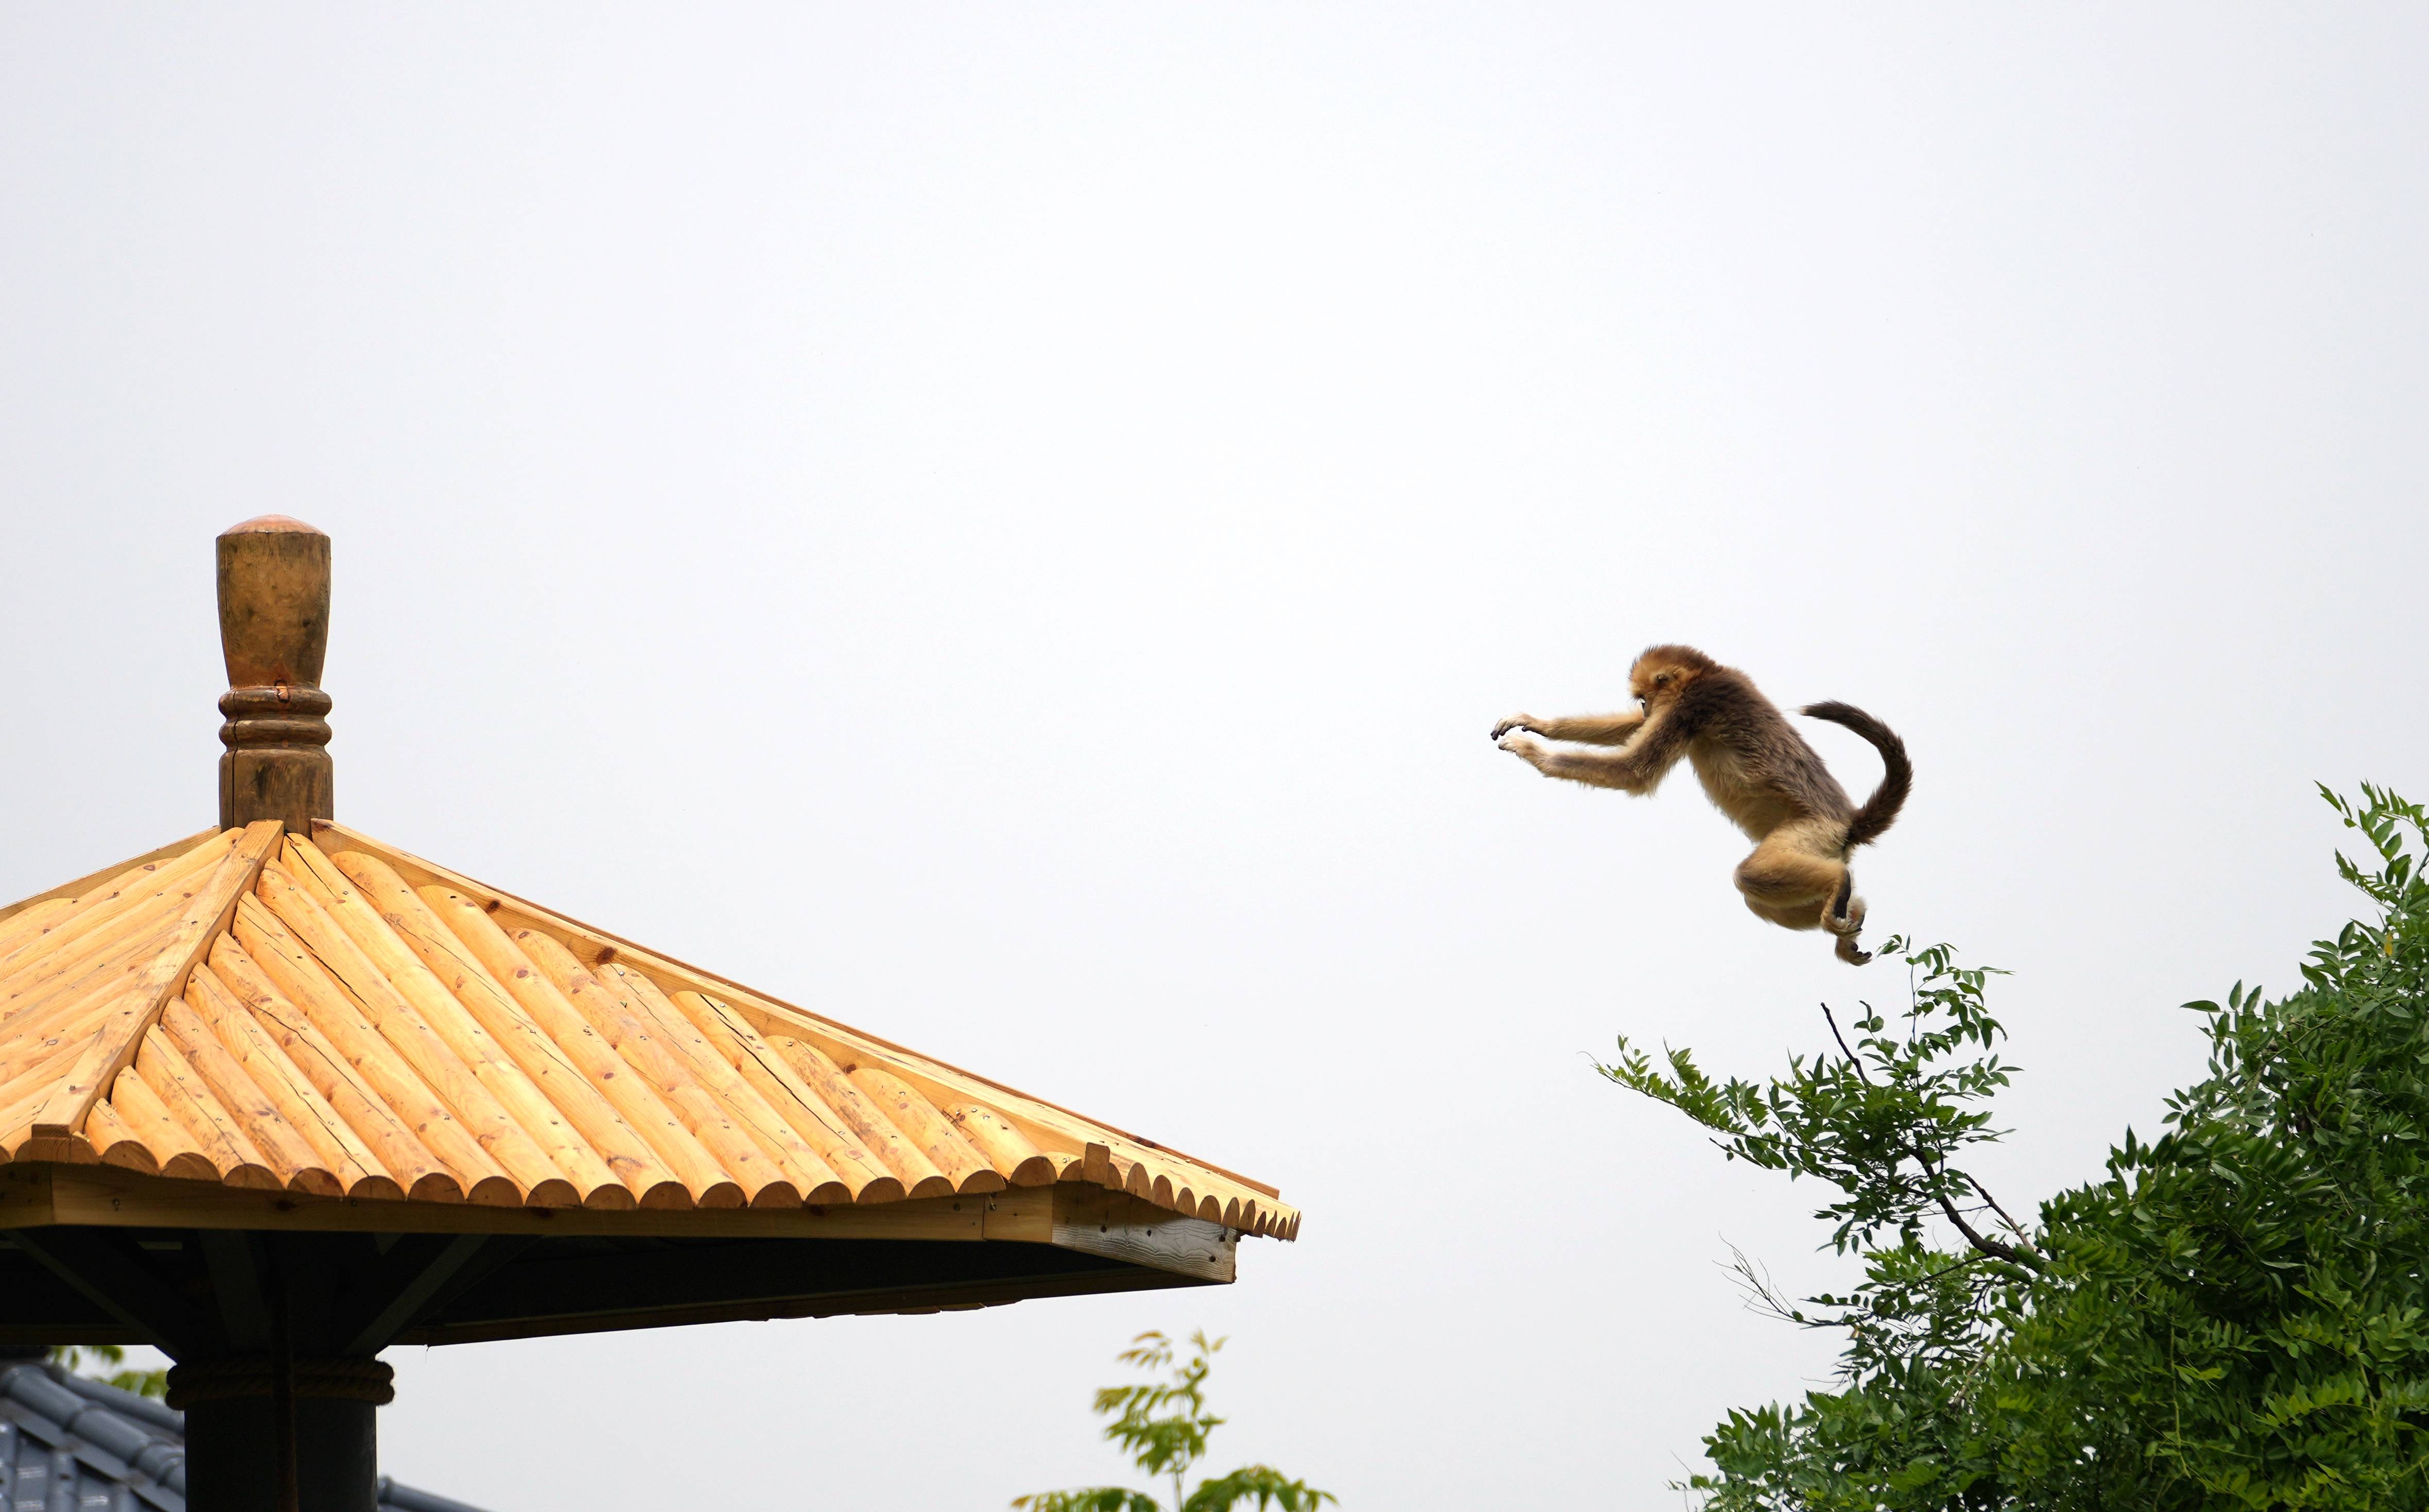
x=1526 y=748
x=1517 y=721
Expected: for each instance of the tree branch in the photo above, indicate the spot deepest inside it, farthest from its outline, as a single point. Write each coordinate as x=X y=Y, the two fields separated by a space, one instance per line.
x=1829 y=1019
x=2014 y=1227
x=1996 y=1249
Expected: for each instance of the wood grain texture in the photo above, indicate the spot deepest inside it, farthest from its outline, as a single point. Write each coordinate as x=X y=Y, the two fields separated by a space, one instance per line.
x=162 y=1133
x=349 y=1032
x=114 y=1044
x=109 y=1196
x=1095 y=1222
x=758 y=1174
x=425 y=1000
x=863 y=1178
x=1017 y=1160
x=417 y=1063
x=697 y=1175
x=108 y=904
x=294 y=970
x=116 y=1141
x=164 y=1071
x=382 y=1131
x=355 y=1169
x=274 y=593
x=1058 y=1131
x=935 y=1134
x=68 y=893
x=547 y=1068
x=280 y=1145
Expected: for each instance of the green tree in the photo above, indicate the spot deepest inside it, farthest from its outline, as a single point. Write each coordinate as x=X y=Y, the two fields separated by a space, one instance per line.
x=106 y=1363
x=2235 y=1316
x=1163 y=1425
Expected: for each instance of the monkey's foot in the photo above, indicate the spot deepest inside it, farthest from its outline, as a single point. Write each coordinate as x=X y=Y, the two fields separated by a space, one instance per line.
x=1848 y=925
x=1848 y=952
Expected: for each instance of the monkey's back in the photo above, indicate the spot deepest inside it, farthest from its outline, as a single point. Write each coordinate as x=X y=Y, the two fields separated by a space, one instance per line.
x=1754 y=765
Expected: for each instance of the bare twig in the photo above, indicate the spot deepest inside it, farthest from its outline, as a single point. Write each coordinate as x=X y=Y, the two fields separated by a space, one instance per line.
x=1763 y=1294
x=1833 y=1022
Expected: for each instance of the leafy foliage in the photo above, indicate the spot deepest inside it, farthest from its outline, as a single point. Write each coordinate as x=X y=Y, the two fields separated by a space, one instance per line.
x=2235 y=1316
x=106 y=1363
x=1163 y=1425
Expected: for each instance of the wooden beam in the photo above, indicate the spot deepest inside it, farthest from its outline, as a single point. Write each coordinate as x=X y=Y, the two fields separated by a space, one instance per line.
x=113 y=1196
x=112 y=1046
x=25 y=1196
x=1070 y=1215
x=874 y=1302
x=39 y=1309
x=1095 y=1222
x=551 y=1290
x=403 y=1286
x=235 y=1268
x=105 y=1269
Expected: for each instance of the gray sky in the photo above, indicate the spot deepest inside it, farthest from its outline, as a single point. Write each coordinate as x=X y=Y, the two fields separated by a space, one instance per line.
x=1009 y=526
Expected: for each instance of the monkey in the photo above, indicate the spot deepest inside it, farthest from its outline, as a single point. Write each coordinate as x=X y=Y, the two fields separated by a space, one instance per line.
x=1754 y=766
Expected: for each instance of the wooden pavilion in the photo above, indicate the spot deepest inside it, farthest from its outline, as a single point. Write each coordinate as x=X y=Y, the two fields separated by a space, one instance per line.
x=277 y=1096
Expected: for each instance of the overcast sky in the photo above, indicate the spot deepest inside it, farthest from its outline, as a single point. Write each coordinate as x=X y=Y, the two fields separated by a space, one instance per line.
x=1009 y=526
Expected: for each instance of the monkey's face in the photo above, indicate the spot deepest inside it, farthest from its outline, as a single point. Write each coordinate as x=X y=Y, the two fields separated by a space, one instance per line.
x=1662 y=672
x=1657 y=680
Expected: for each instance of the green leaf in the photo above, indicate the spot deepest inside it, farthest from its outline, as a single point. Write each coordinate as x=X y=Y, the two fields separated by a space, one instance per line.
x=2231 y=1314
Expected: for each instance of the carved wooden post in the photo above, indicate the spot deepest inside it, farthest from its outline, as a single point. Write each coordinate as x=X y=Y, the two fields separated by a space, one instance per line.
x=274 y=632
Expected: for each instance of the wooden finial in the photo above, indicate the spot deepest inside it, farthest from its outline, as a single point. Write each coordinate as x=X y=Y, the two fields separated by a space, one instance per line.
x=275 y=631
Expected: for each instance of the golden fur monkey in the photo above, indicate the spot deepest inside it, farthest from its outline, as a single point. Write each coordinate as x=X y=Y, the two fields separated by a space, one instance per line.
x=1756 y=768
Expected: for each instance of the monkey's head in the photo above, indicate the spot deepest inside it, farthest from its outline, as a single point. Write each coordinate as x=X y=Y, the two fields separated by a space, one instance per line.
x=1662 y=672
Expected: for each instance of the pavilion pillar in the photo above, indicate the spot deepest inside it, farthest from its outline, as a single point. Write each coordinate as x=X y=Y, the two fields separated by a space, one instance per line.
x=256 y=1443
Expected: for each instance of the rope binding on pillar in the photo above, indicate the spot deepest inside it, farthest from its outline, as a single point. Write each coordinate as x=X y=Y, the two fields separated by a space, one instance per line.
x=245 y=1375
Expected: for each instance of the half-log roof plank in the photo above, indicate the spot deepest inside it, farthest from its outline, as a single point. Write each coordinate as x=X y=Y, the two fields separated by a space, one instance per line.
x=336 y=1019
x=1221 y=1194
x=113 y=1043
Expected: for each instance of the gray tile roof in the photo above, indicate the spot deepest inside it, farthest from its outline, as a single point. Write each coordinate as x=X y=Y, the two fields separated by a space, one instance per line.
x=68 y=1444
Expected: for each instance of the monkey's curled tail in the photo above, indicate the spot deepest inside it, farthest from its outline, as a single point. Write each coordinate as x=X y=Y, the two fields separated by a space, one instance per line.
x=1880 y=810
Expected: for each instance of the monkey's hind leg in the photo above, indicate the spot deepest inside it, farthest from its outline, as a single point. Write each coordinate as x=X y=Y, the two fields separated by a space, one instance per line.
x=1844 y=916
x=1793 y=882
x=1786 y=882
x=1799 y=917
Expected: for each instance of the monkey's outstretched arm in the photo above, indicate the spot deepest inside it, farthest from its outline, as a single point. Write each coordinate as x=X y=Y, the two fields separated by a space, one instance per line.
x=1588 y=729
x=1635 y=768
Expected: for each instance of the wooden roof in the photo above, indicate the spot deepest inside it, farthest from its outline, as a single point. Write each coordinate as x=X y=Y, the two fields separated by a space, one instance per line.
x=337 y=1032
